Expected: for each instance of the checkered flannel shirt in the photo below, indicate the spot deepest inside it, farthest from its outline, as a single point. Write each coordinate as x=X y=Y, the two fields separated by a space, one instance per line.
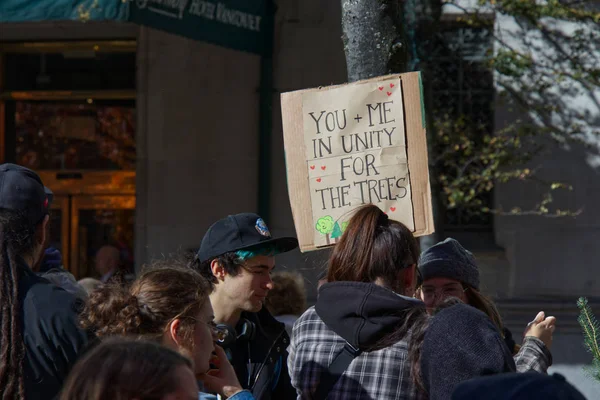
x=533 y=356
x=381 y=375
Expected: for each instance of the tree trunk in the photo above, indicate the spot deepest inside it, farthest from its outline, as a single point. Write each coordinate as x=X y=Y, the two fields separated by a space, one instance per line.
x=375 y=44
x=373 y=38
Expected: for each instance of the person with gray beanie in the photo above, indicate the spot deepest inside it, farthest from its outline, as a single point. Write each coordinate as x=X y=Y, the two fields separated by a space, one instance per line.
x=447 y=270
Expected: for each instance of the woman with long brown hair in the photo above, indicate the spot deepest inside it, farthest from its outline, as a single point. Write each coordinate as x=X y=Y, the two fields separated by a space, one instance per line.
x=339 y=347
x=168 y=305
x=449 y=270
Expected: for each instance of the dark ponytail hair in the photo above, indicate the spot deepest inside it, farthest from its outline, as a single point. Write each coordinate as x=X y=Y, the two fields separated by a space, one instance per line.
x=17 y=239
x=145 y=309
x=373 y=247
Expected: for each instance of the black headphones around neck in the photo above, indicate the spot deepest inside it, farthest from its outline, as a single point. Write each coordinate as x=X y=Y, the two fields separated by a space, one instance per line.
x=246 y=334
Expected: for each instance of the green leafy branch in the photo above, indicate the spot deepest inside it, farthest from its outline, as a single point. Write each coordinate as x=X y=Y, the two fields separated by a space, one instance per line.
x=471 y=162
x=591 y=335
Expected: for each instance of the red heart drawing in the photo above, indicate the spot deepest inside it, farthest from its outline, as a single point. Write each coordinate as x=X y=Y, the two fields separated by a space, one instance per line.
x=380 y=87
x=323 y=167
x=393 y=209
x=392 y=85
x=318 y=179
x=312 y=167
x=389 y=93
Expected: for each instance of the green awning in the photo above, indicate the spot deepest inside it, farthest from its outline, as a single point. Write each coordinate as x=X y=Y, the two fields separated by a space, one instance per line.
x=237 y=24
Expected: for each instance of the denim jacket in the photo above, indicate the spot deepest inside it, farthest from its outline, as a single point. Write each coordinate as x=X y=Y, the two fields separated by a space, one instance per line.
x=243 y=395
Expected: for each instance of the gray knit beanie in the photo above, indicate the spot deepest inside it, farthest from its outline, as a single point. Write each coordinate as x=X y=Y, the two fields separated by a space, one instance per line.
x=448 y=259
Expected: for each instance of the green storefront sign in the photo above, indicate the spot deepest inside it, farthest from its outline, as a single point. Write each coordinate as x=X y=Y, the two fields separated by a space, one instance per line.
x=237 y=24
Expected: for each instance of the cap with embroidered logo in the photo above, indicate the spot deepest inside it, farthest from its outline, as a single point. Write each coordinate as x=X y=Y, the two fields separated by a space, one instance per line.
x=240 y=232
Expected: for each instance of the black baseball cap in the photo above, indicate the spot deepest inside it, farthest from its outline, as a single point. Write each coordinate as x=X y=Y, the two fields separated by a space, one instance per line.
x=240 y=232
x=22 y=190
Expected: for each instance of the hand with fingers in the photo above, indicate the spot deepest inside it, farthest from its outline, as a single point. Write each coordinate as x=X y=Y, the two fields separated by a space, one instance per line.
x=541 y=327
x=221 y=380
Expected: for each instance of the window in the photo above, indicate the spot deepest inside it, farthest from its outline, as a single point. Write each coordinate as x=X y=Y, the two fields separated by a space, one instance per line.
x=463 y=89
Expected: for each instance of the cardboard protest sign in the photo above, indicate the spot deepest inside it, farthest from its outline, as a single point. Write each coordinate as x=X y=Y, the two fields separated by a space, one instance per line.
x=356 y=144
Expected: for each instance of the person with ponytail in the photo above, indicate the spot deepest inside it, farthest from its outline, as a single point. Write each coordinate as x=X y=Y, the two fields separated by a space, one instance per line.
x=354 y=342
x=39 y=336
x=168 y=305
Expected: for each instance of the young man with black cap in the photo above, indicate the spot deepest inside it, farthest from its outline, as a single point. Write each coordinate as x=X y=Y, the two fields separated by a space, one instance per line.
x=237 y=256
x=39 y=335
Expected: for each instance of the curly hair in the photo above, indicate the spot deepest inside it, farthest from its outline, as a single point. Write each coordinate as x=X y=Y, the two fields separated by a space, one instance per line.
x=146 y=308
x=288 y=296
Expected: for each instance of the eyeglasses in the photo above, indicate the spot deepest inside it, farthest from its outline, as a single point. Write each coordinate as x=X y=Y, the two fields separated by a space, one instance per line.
x=219 y=332
x=430 y=293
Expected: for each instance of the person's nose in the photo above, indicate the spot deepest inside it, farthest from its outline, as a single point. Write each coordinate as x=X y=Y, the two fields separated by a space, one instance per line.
x=269 y=283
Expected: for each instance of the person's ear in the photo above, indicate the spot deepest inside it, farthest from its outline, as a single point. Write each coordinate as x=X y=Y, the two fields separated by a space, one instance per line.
x=41 y=231
x=174 y=330
x=217 y=270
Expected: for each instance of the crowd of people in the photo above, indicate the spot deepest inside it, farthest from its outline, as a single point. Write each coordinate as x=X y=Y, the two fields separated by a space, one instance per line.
x=390 y=322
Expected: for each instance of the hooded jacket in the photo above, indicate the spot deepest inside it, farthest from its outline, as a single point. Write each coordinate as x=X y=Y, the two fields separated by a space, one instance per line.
x=51 y=268
x=361 y=314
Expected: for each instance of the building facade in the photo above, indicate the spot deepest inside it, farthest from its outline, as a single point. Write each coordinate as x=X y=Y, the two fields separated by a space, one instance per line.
x=195 y=115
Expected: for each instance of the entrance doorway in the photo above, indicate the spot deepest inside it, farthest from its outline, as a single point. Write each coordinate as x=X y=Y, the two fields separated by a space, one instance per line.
x=67 y=111
x=91 y=211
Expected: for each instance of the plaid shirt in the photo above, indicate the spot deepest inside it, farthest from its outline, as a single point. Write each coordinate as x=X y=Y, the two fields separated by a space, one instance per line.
x=533 y=356
x=382 y=374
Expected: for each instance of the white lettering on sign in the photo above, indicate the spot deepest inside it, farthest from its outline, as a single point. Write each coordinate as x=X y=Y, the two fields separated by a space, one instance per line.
x=238 y=18
x=203 y=9
x=170 y=8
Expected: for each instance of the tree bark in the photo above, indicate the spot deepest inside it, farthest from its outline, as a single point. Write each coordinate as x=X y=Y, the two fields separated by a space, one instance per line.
x=373 y=40
x=375 y=44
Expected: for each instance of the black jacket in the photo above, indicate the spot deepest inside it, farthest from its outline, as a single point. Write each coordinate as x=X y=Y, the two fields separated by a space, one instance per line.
x=51 y=334
x=261 y=363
